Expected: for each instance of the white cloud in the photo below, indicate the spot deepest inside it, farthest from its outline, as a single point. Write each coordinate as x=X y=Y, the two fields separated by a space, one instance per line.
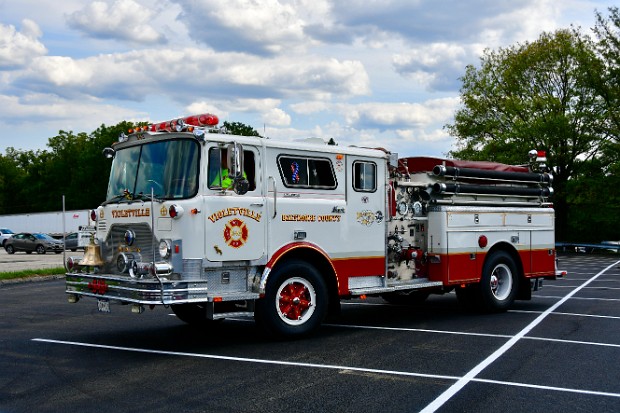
x=122 y=19
x=365 y=72
x=260 y=27
x=307 y=108
x=436 y=66
x=379 y=115
x=276 y=117
x=44 y=109
x=17 y=49
x=184 y=73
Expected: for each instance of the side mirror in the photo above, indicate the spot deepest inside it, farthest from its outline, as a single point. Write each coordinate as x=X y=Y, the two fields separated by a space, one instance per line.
x=235 y=160
x=241 y=186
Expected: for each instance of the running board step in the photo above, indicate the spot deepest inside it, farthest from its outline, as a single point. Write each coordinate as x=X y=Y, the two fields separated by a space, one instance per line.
x=414 y=284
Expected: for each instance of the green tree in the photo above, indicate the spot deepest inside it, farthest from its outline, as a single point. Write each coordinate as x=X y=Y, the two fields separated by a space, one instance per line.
x=11 y=182
x=535 y=95
x=73 y=166
x=238 y=128
x=607 y=31
x=35 y=181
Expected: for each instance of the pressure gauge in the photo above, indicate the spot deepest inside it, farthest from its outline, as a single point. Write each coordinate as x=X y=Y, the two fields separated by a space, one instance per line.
x=403 y=208
x=417 y=209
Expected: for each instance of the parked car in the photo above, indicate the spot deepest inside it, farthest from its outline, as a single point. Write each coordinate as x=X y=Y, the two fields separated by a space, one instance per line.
x=25 y=241
x=5 y=234
x=72 y=242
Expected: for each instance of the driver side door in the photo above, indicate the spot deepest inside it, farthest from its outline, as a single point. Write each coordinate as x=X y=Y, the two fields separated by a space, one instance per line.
x=235 y=223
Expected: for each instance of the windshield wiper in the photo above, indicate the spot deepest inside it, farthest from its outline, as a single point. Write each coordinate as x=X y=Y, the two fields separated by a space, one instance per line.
x=146 y=197
x=116 y=199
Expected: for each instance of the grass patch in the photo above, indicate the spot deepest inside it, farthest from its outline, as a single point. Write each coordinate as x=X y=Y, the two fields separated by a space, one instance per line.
x=31 y=273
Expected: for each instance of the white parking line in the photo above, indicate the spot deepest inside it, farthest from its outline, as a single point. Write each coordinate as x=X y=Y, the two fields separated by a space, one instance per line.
x=577 y=298
x=471 y=375
x=248 y=360
x=573 y=286
x=464 y=333
x=568 y=314
x=322 y=366
x=561 y=340
x=418 y=330
x=603 y=280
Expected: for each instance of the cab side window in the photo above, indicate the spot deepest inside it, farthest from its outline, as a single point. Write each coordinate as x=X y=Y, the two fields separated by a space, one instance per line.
x=364 y=176
x=305 y=172
x=218 y=169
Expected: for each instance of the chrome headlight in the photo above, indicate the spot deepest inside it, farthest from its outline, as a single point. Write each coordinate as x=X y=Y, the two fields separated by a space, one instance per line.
x=165 y=249
x=124 y=261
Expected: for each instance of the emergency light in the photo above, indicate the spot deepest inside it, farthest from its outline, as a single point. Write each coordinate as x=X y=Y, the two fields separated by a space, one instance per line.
x=176 y=125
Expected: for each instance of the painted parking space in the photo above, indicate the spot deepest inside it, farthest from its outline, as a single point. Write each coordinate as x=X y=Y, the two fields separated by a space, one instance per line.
x=557 y=352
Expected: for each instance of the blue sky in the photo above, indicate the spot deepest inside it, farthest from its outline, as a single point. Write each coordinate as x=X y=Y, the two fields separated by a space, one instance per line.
x=368 y=73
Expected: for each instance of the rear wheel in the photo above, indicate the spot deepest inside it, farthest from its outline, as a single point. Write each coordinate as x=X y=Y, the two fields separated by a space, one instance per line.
x=295 y=301
x=9 y=249
x=40 y=249
x=499 y=283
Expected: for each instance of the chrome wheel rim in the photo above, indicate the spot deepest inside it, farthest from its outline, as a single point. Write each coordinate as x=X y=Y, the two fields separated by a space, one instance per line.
x=501 y=282
x=295 y=301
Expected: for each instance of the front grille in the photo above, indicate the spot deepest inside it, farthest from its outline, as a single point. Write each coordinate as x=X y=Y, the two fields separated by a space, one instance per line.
x=144 y=244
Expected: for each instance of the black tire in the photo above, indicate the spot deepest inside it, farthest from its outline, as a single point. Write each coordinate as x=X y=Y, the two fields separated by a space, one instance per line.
x=9 y=249
x=499 y=282
x=193 y=314
x=295 y=301
x=40 y=249
x=406 y=297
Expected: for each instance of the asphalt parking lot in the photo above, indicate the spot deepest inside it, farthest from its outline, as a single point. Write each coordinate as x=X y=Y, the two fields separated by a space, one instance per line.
x=559 y=352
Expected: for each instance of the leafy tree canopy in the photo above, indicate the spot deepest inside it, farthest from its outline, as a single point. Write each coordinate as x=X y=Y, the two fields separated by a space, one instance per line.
x=238 y=128
x=73 y=165
x=538 y=95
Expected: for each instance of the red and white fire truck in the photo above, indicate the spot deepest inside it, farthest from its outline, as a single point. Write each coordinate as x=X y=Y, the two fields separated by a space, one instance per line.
x=216 y=225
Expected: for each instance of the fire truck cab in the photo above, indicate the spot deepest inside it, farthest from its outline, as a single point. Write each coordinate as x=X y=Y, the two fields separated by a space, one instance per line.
x=216 y=225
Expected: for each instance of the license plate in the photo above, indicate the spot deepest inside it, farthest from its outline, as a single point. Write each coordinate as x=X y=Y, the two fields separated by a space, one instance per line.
x=103 y=306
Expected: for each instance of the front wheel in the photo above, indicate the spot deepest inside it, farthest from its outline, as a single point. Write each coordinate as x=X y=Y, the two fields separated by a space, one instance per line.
x=10 y=249
x=40 y=249
x=295 y=301
x=499 y=282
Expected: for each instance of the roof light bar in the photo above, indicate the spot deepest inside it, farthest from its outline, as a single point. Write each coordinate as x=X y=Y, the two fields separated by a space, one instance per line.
x=189 y=124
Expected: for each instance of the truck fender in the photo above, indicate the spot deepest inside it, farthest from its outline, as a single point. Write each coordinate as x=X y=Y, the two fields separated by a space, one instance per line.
x=315 y=256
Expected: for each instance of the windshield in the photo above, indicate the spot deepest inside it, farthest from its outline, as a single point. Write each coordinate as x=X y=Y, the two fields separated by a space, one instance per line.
x=6 y=231
x=169 y=168
x=45 y=237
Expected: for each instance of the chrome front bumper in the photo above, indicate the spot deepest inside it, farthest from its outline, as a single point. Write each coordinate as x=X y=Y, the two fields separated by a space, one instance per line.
x=148 y=291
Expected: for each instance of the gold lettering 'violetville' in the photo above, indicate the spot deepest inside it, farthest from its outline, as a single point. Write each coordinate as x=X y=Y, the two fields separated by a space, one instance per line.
x=131 y=213
x=235 y=211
